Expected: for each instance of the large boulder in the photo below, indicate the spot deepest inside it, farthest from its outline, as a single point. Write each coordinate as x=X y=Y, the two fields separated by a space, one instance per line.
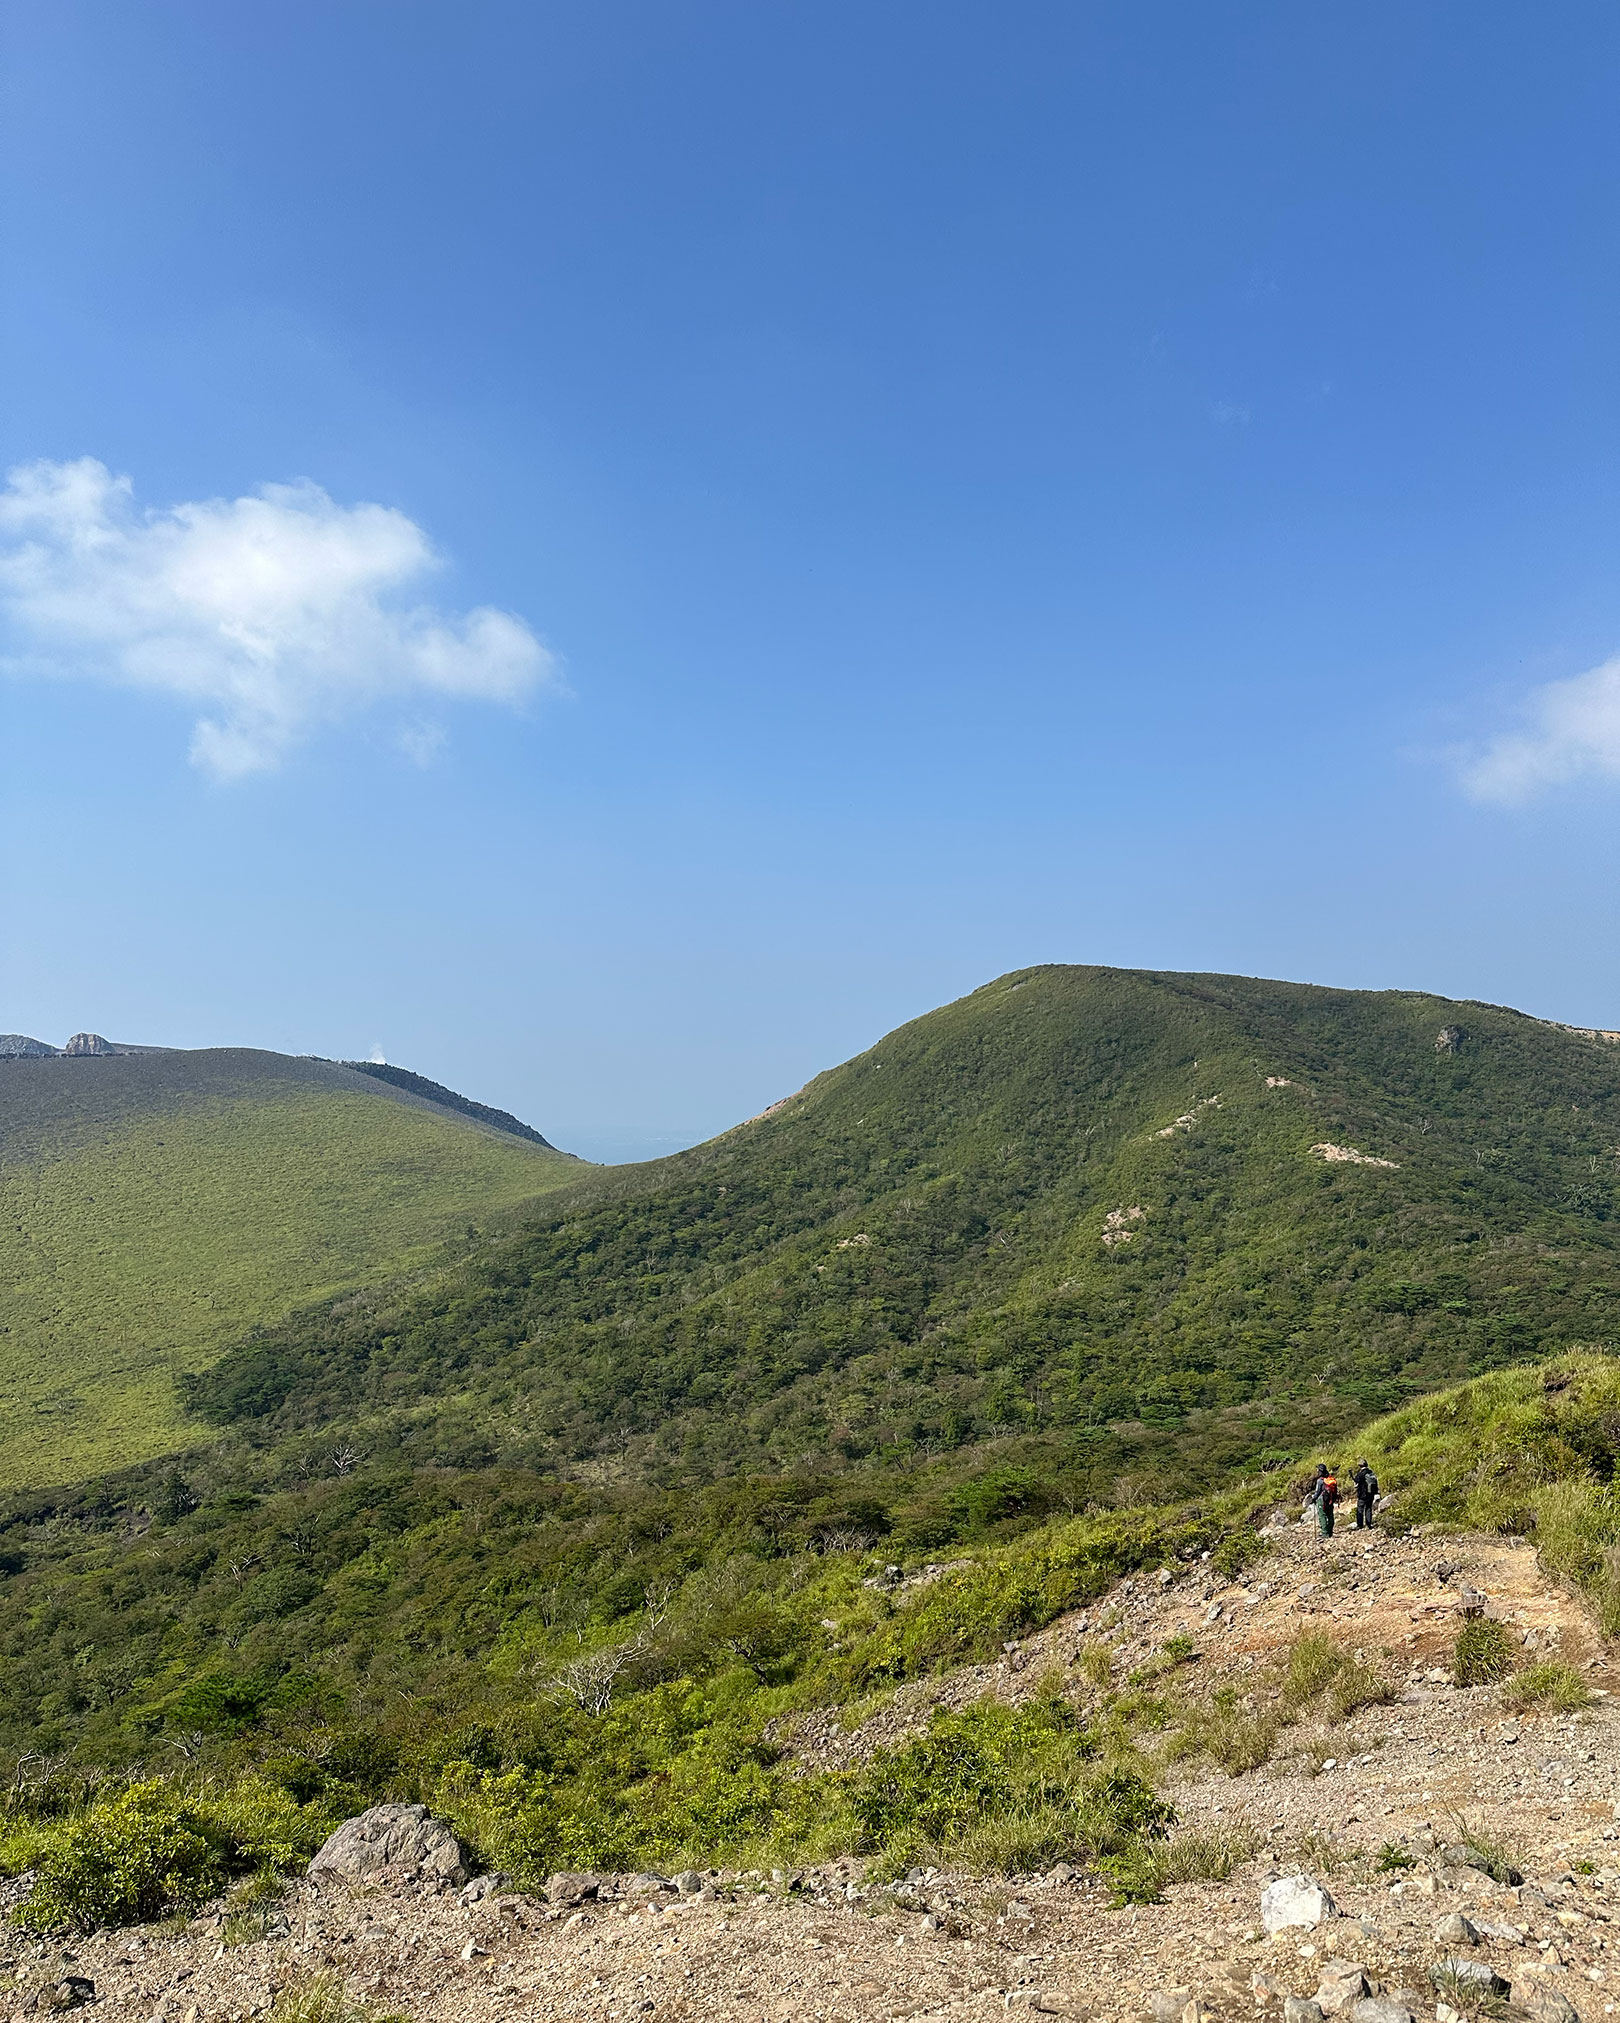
x=1294 y=1900
x=393 y=1843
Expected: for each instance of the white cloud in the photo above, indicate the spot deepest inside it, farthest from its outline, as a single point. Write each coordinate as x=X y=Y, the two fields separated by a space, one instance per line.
x=1572 y=732
x=273 y=614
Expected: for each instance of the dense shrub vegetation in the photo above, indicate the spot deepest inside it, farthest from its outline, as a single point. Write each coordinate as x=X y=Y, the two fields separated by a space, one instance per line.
x=605 y=1678
x=915 y=1256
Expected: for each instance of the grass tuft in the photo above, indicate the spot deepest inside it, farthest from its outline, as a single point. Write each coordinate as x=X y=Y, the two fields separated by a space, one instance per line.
x=1482 y=1654
x=1552 y=1683
x=322 y=1999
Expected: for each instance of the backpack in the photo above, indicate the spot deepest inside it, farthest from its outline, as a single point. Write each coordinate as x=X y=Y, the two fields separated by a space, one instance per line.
x=1330 y=1488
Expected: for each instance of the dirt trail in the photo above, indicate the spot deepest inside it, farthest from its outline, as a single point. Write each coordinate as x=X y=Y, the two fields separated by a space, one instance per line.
x=827 y=1946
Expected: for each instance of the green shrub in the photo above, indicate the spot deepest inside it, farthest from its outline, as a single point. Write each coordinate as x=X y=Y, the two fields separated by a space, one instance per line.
x=1482 y=1654
x=1314 y=1662
x=1318 y=1668
x=1237 y=1550
x=143 y=1855
x=1096 y=1667
x=1237 y=1736
x=154 y=1849
x=1489 y=1852
x=1317 y=1674
x=1001 y=1789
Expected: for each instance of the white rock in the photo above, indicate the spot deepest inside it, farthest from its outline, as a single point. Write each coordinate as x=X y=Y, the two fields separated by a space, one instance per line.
x=399 y=1840
x=1294 y=1901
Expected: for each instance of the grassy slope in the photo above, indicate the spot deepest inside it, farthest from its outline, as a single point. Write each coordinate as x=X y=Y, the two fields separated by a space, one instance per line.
x=907 y=1259
x=151 y=1208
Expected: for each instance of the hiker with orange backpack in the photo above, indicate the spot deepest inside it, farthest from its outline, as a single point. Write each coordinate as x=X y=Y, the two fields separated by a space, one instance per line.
x=1324 y=1493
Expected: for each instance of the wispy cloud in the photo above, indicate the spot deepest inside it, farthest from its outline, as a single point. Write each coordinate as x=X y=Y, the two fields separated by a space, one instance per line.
x=1571 y=731
x=274 y=614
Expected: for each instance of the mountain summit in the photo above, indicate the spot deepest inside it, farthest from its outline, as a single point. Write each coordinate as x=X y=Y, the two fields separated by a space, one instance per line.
x=1163 y=1222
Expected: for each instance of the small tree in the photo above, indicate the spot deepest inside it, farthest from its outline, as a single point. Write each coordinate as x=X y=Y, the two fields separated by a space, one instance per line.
x=176 y=1499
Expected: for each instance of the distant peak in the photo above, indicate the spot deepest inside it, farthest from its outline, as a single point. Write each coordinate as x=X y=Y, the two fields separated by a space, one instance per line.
x=19 y=1047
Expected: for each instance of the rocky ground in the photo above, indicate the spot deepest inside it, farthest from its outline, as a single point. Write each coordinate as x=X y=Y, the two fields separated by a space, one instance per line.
x=1396 y=1780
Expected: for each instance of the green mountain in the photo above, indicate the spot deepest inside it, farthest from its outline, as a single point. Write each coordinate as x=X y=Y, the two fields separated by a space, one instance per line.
x=155 y=1203
x=1128 y=1224
x=560 y=1532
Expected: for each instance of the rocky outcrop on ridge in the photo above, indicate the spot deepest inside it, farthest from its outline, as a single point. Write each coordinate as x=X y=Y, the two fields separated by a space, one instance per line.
x=89 y=1043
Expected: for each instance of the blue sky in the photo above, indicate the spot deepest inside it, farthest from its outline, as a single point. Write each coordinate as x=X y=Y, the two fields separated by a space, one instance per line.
x=863 y=498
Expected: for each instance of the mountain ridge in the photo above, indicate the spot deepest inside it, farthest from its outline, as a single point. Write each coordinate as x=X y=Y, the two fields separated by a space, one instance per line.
x=1128 y=1214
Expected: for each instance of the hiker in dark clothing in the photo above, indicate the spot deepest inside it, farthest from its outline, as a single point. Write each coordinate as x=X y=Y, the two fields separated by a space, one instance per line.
x=1324 y=1493
x=1366 y=1495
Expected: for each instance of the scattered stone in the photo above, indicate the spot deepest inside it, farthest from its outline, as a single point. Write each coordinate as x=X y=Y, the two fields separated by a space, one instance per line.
x=1458 y=1854
x=1381 y=2009
x=1168 y=2005
x=1294 y=1900
x=1343 y=1983
x=1301 y=2009
x=688 y=1882
x=569 y=1888
x=1457 y=1929
x=1548 y=2006
x=400 y=1842
x=71 y=1992
x=484 y=1886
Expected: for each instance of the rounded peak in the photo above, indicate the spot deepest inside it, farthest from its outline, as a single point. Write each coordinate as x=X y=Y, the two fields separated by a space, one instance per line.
x=90 y=1043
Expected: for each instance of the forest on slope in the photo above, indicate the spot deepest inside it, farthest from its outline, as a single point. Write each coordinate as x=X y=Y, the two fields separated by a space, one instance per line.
x=1120 y=1222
